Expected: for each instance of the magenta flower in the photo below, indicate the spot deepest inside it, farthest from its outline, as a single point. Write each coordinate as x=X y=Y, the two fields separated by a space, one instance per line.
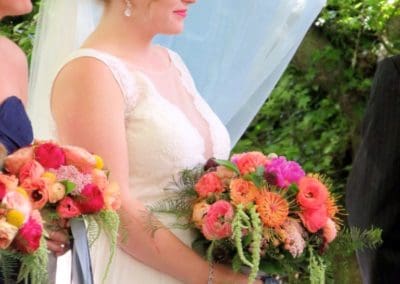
x=284 y=172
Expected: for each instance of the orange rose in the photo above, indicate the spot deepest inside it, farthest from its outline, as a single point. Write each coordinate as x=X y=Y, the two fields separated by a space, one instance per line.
x=242 y=191
x=225 y=175
x=200 y=209
x=112 y=196
x=10 y=181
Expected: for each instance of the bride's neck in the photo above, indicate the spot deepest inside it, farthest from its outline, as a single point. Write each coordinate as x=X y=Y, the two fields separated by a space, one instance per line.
x=121 y=36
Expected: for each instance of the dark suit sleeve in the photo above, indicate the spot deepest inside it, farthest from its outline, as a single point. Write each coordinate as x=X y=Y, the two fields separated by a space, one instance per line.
x=373 y=187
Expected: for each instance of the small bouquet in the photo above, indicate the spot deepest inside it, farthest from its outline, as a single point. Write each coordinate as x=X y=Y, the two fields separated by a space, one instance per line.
x=65 y=183
x=261 y=212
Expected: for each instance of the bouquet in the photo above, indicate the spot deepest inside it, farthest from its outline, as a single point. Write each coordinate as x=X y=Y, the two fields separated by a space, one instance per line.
x=264 y=213
x=63 y=183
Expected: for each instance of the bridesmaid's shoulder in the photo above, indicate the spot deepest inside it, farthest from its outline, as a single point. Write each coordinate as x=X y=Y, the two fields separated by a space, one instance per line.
x=11 y=55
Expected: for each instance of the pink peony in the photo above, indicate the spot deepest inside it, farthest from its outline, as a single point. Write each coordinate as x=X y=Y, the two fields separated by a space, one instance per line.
x=28 y=237
x=7 y=234
x=217 y=222
x=249 y=161
x=312 y=193
x=50 y=155
x=16 y=160
x=314 y=219
x=209 y=184
x=30 y=175
x=79 y=158
x=329 y=231
x=284 y=172
x=91 y=199
x=68 y=208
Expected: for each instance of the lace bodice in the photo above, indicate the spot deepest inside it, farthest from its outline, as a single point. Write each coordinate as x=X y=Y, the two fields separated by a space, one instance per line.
x=161 y=139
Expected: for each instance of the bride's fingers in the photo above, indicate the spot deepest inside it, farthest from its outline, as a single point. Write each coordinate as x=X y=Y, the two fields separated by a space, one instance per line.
x=60 y=236
x=58 y=248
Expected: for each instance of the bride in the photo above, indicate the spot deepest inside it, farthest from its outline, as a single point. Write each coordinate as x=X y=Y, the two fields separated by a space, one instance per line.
x=135 y=104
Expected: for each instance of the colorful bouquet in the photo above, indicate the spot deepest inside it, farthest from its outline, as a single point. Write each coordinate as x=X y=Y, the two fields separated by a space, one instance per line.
x=261 y=212
x=63 y=183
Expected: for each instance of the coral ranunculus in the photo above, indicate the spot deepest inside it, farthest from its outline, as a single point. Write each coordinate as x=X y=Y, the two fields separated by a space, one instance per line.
x=249 y=161
x=68 y=208
x=209 y=184
x=31 y=173
x=28 y=237
x=285 y=172
x=273 y=208
x=39 y=197
x=217 y=222
x=91 y=199
x=242 y=191
x=80 y=158
x=312 y=193
x=16 y=160
x=50 y=155
x=314 y=219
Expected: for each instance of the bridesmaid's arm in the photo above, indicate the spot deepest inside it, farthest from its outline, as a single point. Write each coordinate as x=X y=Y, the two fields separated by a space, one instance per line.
x=89 y=111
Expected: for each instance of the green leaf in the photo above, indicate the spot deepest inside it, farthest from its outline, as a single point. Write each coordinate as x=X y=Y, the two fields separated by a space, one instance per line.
x=229 y=165
x=69 y=186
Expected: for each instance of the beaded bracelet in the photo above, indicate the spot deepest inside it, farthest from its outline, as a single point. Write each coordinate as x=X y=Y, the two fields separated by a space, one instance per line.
x=210 y=273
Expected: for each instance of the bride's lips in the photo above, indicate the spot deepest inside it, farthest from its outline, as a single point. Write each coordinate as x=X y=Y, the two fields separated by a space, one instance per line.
x=182 y=13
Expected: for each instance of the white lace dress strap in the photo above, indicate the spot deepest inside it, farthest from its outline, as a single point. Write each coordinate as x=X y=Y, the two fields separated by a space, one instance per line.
x=125 y=79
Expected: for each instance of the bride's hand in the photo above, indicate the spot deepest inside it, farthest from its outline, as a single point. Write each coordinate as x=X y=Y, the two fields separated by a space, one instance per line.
x=224 y=275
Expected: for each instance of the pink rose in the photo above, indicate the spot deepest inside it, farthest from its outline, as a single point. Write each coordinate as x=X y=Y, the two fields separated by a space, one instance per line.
x=200 y=210
x=329 y=231
x=16 y=160
x=10 y=181
x=217 y=222
x=7 y=234
x=209 y=184
x=249 y=161
x=30 y=174
x=50 y=155
x=68 y=208
x=91 y=199
x=283 y=173
x=312 y=193
x=314 y=219
x=3 y=190
x=79 y=158
x=28 y=237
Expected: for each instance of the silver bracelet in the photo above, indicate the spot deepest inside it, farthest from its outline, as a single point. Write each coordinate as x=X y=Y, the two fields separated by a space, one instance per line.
x=210 y=273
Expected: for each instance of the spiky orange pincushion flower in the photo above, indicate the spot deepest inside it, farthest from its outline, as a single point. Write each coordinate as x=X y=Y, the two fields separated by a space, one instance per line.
x=273 y=208
x=242 y=191
x=331 y=207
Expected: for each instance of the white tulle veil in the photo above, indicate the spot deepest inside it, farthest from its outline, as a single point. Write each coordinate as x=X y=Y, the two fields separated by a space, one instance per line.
x=236 y=50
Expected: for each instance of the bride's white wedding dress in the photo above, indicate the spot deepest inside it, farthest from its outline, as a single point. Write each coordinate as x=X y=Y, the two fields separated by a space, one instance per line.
x=163 y=138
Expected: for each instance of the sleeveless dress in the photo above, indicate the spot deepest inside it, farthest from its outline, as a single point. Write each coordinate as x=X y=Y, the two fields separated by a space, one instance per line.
x=161 y=141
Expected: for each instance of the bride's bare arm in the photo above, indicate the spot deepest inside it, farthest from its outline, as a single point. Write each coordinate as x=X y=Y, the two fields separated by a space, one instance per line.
x=89 y=111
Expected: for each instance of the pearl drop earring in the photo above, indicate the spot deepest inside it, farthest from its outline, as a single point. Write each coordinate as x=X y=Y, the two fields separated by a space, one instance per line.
x=128 y=8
